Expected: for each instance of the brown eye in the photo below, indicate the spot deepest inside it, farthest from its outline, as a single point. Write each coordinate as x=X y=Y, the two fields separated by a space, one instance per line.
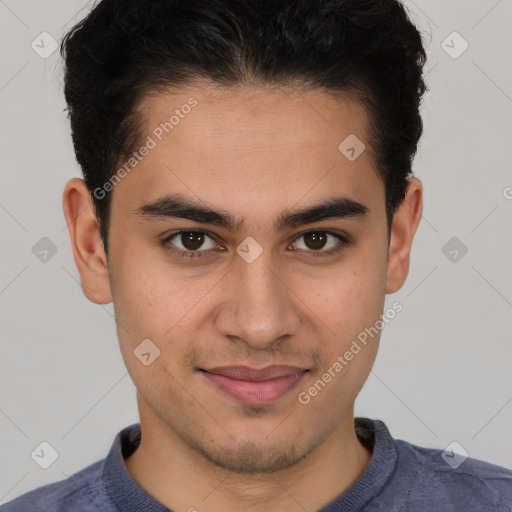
x=321 y=243
x=189 y=242
x=315 y=240
x=192 y=240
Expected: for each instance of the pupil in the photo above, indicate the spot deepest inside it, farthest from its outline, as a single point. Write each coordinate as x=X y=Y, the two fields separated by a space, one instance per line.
x=192 y=240
x=315 y=240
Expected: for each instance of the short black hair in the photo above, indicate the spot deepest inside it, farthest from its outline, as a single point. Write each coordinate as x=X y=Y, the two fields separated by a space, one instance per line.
x=125 y=49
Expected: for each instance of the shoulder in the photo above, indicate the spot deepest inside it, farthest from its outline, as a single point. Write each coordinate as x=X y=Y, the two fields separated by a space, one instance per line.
x=456 y=481
x=83 y=491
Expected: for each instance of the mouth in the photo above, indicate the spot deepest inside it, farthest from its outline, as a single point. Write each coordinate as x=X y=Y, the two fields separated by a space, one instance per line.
x=255 y=386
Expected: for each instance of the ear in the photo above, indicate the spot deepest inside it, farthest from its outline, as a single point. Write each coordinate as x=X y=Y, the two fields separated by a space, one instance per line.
x=88 y=250
x=403 y=228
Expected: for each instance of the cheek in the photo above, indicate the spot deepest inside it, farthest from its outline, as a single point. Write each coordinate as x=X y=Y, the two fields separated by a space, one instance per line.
x=352 y=309
x=151 y=296
x=349 y=298
x=348 y=304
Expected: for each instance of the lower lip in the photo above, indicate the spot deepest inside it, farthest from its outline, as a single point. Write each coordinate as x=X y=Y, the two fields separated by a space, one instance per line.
x=257 y=393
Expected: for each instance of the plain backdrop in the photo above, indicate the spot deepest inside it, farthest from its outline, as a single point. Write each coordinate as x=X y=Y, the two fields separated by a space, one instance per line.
x=443 y=371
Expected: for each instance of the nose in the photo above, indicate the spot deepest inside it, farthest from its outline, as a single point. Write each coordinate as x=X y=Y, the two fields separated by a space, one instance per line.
x=260 y=307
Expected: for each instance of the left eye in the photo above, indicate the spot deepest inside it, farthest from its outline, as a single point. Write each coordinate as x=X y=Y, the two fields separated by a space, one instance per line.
x=317 y=240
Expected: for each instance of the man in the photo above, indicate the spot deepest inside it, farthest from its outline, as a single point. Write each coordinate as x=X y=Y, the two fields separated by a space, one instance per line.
x=248 y=203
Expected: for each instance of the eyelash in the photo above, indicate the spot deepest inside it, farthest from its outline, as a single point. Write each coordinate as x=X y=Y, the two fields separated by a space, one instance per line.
x=198 y=254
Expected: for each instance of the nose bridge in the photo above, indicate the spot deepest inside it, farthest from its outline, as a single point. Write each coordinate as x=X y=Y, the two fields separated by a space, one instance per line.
x=263 y=309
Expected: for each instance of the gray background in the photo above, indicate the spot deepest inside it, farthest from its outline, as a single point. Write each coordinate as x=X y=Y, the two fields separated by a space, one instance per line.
x=443 y=369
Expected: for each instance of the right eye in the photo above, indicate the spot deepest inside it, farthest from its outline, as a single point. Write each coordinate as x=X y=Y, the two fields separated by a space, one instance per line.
x=189 y=243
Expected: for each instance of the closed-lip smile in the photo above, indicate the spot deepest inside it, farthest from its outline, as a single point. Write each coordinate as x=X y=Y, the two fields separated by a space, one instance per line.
x=255 y=385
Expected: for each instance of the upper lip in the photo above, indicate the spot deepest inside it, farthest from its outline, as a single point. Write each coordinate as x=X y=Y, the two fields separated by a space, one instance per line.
x=256 y=374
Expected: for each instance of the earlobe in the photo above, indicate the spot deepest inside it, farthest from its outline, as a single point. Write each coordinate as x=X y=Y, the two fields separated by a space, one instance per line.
x=88 y=250
x=403 y=229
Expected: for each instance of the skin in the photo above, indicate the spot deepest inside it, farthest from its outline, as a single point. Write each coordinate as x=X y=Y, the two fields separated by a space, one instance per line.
x=253 y=153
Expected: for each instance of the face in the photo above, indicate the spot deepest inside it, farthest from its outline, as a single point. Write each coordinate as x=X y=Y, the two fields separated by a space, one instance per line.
x=252 y=284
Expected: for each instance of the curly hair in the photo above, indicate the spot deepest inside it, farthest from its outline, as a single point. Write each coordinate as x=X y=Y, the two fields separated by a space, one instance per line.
x=124 y=50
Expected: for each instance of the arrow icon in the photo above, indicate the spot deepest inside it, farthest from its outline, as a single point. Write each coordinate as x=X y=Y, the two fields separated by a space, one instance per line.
x=454 y=45
x=455 y=253
x=351 y=147
x=44 y=45
x=44 y=455
x=146 y=352
x=44 y=250
x=454 y=249
x=249 y=249
x=454 y=455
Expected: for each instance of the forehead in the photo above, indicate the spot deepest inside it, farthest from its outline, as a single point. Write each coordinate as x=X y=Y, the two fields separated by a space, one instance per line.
x=247 y=146
x=247 y=118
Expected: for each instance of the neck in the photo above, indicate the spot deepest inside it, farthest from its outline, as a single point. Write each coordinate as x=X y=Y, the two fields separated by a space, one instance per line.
x=181 y=479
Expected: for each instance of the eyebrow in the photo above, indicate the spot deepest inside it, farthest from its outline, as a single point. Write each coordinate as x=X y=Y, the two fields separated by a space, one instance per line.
x=178 y=206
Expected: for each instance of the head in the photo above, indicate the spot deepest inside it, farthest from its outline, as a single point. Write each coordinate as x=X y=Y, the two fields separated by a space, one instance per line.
x=225 y=120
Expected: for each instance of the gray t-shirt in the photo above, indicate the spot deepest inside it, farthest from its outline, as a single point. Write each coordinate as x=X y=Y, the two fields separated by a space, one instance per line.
x=401 y=477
